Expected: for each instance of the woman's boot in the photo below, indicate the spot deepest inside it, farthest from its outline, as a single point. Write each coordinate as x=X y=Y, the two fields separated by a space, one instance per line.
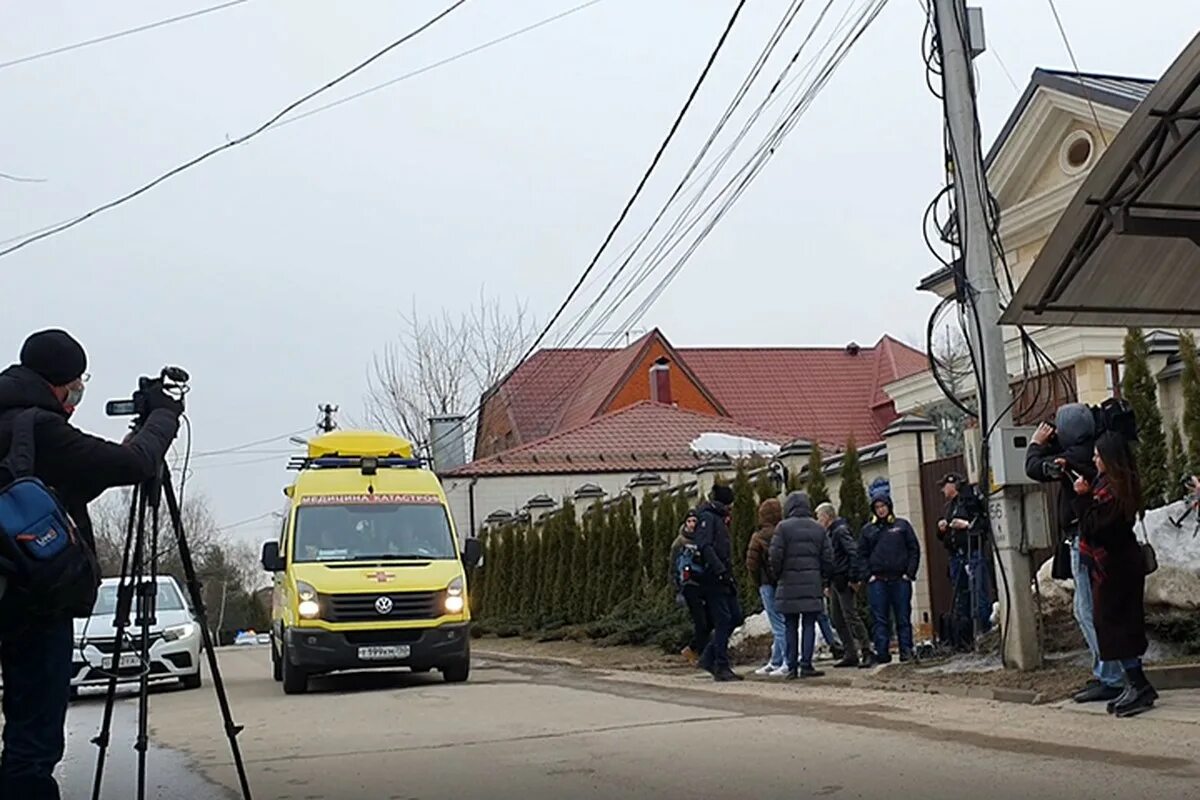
x=1139 y=698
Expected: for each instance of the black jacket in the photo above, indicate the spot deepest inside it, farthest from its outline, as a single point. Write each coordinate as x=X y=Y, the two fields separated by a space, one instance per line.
x=890 y=548
x=712 y=537
x=848 y=567
x=966 y=506
x=801 y=557
x=1074 y=441
x=77 y=466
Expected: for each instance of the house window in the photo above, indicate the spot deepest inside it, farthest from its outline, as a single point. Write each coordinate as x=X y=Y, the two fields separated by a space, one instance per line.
x=1114 y=373
x=1075 y=153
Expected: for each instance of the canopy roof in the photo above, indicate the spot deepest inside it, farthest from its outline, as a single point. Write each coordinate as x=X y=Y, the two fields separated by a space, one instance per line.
x=1127 y=250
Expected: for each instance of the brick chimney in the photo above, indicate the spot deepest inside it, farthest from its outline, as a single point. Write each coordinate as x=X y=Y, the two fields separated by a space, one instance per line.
x=660 y=382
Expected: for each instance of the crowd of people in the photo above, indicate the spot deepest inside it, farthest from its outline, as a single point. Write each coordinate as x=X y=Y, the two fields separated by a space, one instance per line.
x=810 y=567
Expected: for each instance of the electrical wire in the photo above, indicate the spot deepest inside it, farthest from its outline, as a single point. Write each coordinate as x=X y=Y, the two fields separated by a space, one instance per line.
x=20 y=178
x=241 y=447
x=1087 y=93
x=429 y=67
x=695 y=90
x=119 y=34
x=52 y=231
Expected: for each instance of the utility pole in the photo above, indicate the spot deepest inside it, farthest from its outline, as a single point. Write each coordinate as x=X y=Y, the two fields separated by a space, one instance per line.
x=326 y=423
x=1017 y=616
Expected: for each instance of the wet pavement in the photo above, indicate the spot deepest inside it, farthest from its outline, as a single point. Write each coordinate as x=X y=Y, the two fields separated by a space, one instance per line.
x=169 y=775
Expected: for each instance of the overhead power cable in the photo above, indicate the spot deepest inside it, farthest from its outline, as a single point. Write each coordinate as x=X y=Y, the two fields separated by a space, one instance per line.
x=242 y=447
x=239 y=140
x=741 y=180
x=119 y=34
x=20 y=178
x=1087 y=93
x=628 y=205
x=429 y=67
x=371 y=90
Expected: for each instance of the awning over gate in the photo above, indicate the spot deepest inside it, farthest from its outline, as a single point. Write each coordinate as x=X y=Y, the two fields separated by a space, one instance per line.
x=1127 y=250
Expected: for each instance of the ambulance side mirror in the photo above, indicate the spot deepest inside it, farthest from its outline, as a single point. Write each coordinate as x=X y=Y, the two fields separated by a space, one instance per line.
x=472 y=552
x=272 y=561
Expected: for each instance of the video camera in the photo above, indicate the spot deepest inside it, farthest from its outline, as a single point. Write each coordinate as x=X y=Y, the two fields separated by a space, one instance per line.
x=171 y=379
x=1115 y=415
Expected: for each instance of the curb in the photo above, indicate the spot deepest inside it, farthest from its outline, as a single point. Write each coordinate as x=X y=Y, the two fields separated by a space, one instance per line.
x=516 y=659
x=1175 y=676
x=1002 y=695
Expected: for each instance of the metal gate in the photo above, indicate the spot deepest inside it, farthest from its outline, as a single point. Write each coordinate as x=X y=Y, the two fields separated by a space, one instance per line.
x=937 y=560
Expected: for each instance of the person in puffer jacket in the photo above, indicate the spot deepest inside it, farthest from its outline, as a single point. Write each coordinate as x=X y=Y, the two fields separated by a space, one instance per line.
x=893 y=555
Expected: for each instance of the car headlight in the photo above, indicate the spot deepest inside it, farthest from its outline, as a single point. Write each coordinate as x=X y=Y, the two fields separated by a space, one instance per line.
x=309 y=606
x=455 y=602
x=177 y=632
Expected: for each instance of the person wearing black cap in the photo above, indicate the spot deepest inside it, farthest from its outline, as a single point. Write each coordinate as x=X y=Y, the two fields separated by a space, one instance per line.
x=720 y=591
x=962 y=530
x=35 y=643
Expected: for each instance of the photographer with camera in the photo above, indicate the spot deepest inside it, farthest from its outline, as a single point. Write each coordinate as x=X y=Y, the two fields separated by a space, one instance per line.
x=37 y=398
x=962 y=530
x=1062 y=453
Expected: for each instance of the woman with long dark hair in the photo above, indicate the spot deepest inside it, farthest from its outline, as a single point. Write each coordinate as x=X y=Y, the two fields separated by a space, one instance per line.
x=1108 y=544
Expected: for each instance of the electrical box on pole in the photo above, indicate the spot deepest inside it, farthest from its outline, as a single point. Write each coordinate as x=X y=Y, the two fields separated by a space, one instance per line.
x=981 y=297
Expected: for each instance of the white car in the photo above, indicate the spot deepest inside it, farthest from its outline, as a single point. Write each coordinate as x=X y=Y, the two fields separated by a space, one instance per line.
x=175 y=641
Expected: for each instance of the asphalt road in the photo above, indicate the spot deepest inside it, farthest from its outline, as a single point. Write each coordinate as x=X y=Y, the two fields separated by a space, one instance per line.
x=538 y=731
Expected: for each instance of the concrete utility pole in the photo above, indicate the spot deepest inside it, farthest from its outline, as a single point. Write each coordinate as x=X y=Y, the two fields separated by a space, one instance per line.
x=1017 y=615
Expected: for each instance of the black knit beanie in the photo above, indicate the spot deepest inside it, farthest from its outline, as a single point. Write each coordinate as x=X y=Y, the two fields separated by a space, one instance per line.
x=54 y=355
x=723 y=494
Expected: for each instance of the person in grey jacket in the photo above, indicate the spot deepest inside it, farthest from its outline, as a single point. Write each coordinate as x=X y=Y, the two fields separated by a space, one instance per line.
x=802 y=560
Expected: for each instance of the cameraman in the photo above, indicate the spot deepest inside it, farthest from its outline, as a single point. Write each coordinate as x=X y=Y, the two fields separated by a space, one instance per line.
x=36 y=643
x=1062 y=453
x=962 y=530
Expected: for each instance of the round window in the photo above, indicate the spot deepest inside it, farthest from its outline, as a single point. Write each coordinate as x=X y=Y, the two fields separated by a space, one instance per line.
x=1076 y=152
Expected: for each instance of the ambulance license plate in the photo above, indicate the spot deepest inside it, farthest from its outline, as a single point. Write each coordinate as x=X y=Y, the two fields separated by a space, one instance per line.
x=384 y=653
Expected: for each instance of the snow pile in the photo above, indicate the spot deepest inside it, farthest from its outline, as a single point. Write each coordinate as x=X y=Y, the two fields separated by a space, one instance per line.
x=1177 y=547
x=753 y=627
x=1176 y=583
x=727 y=444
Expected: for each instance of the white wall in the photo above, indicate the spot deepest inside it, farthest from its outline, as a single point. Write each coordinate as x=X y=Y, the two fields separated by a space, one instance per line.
x=512 y=492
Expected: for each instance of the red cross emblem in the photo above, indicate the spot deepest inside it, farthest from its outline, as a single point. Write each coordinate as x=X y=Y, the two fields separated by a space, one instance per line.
x=381 y=577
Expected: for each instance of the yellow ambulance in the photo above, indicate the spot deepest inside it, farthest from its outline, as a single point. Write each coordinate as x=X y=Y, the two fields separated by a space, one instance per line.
x=368 y=571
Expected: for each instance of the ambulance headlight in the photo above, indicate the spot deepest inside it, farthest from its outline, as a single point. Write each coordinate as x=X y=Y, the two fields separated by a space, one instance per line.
x=455 y=601
x=309 y=606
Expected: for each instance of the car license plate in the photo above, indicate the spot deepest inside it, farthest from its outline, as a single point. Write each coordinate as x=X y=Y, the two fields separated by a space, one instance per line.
x=128 y=661
x=382 y=653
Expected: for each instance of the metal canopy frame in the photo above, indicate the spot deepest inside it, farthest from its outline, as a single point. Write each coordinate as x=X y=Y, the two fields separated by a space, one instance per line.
x=1126 y=250
x=1123 y=212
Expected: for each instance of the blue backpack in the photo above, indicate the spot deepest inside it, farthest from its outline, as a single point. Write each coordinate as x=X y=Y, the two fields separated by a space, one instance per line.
x=689 y=565
x=47 y=569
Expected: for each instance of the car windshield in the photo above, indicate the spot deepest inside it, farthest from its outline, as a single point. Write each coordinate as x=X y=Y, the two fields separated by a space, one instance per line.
x=373 y=531
x=106 y=601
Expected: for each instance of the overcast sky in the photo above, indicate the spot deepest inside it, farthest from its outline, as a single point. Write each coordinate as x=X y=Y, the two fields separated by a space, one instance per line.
x=273 y=271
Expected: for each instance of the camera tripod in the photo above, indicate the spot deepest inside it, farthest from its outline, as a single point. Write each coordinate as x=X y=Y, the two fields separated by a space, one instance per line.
x=138 y=590
x=1193 y=504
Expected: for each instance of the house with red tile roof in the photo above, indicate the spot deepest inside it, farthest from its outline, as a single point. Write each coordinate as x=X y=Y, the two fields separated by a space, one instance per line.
x=603 y=417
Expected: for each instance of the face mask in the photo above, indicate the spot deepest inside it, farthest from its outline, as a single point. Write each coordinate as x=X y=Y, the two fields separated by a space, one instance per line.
x=74 y=398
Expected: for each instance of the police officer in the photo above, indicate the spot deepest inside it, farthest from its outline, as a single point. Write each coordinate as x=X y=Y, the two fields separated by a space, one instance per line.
x=35 y=643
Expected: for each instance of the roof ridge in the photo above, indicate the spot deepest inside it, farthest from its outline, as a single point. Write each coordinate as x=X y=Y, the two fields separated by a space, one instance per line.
x=1070 y=73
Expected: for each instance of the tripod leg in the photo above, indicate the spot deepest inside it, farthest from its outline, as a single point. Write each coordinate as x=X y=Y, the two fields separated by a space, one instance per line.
x=193 y=584
x=148 y=617
x=131 y=570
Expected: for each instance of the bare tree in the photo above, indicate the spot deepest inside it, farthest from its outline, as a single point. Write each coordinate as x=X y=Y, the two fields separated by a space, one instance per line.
x=440 y=365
